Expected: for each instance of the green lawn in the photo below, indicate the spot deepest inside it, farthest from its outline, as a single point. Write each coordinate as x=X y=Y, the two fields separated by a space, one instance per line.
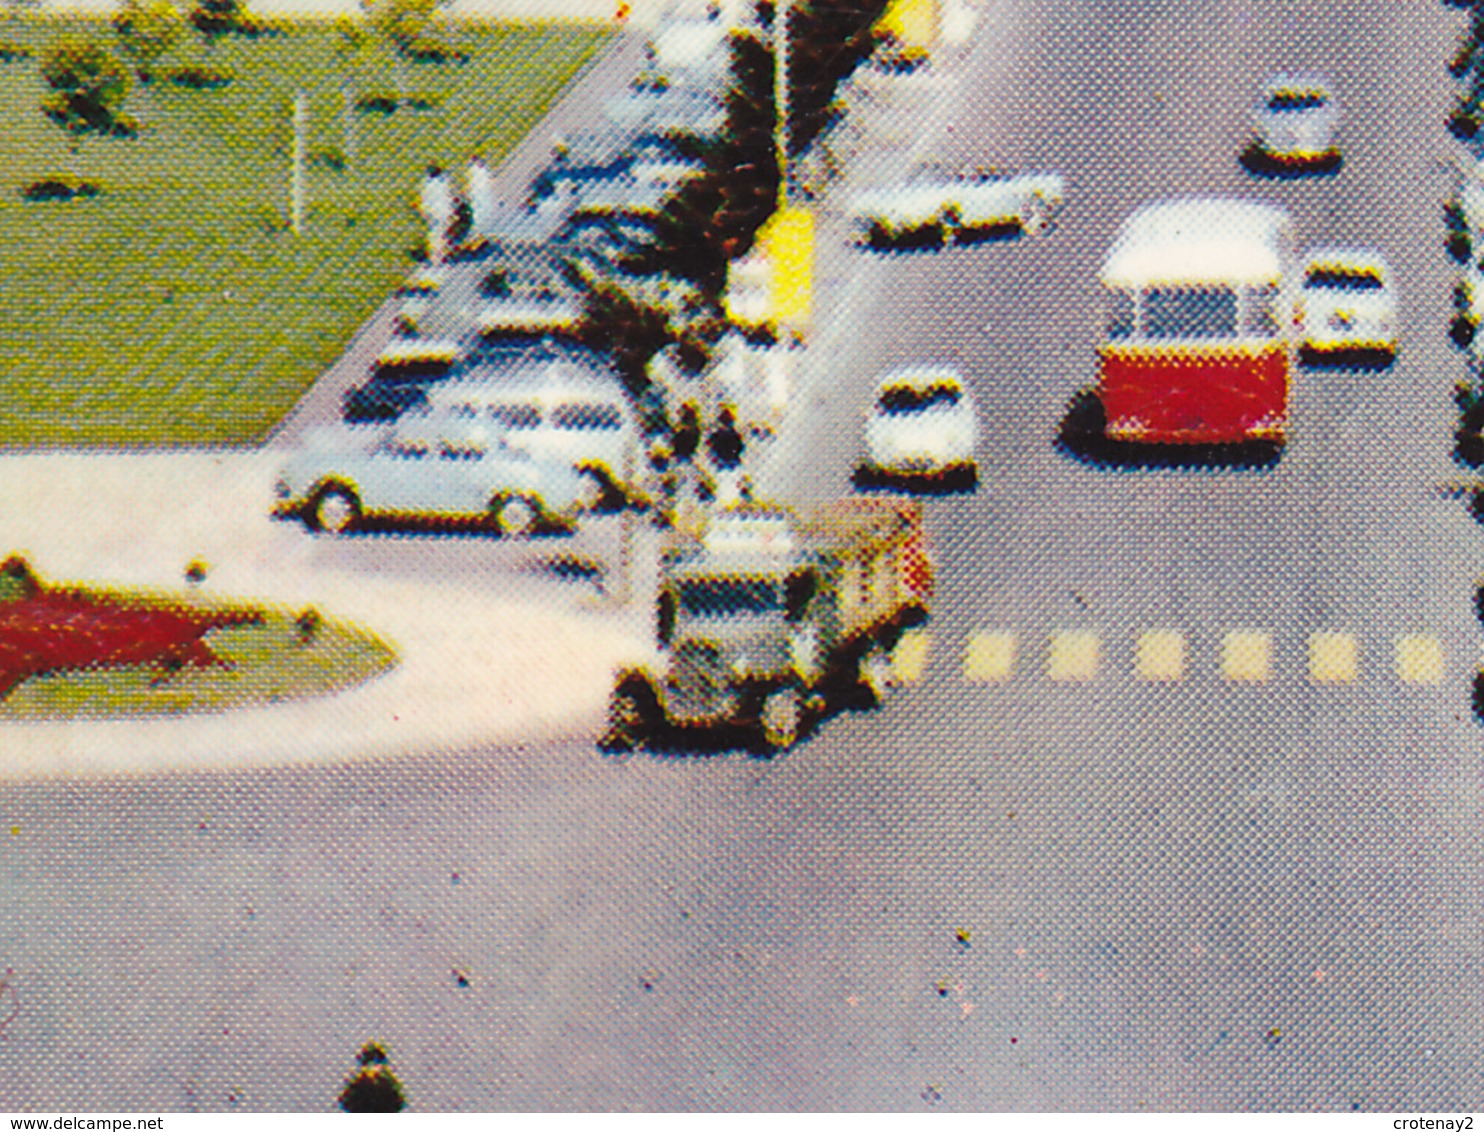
x=177 y=307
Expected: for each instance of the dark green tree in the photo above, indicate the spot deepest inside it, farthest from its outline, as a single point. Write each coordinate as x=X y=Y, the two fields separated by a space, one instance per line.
x=1467 y=66
x=87 y=85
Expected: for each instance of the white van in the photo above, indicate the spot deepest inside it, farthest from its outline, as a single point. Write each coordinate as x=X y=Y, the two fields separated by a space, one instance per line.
x=555 y=413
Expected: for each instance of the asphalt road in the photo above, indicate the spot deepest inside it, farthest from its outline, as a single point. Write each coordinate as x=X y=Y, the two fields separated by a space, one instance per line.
x=1095 y=893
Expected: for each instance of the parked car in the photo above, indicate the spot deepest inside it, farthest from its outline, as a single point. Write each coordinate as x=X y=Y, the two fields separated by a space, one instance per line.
x=1349 y=305
x=1294 y=123
x=921 y=431
x=521 y=446
x=399 y=380
x=940 y=205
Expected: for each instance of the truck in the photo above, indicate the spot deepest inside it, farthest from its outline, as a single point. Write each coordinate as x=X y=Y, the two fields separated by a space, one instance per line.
x=769 y=617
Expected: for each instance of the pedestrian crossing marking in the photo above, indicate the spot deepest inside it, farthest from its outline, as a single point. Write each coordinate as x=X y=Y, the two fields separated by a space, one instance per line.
x=1419 y=659
x=909 y=658
x=1164 y=655
x=989 y=658
x=1247 y=655
x=1334 y=658
x=1160 y=655
x=1074 y=656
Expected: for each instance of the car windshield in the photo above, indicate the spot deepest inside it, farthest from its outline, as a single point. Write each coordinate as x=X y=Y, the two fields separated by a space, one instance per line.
x=1343 y=279
x=903 y=400
x=579 y=416
x=1296 y=100
x=730 y=595
x=1190 y=312
x=516 y=416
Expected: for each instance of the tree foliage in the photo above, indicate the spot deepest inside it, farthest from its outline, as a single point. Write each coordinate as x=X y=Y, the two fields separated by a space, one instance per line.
x=827 y=39
x=402 y=24
x=147 y=29
x=214 y=19
x=88 y=85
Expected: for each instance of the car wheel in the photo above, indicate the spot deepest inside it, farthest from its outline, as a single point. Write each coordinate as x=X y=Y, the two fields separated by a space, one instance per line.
x=781 y=720
x=335 y=510
x=515 y=515
x=1035 y=218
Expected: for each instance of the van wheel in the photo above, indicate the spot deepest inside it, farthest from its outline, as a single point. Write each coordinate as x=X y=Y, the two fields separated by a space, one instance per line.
x=781 y=721
x=514 y=515
x=631 y=720
x=335 y=510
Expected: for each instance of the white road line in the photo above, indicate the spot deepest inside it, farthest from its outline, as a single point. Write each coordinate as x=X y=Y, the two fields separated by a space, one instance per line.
x=1419 y=659
x=1160 y=654
x=1334 y=657
x=1074 y=656
x=989 y=658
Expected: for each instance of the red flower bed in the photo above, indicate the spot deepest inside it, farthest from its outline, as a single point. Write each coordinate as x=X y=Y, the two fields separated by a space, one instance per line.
x=51 y=630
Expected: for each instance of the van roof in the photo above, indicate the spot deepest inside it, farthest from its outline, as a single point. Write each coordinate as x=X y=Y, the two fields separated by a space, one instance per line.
x=1198 y=240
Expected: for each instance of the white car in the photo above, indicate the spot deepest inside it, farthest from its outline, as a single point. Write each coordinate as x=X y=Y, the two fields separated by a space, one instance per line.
x=946 y=205
x=922 y=428
x=1349 y=305
x=1295 y=120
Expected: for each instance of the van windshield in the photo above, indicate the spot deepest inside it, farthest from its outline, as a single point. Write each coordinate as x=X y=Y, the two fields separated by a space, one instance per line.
x=1190 y=312
x=516 y=416
x=598 y=416
x=730 y=595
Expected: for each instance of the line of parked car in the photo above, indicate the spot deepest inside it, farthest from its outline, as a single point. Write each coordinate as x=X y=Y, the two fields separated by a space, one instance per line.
x=482 y=408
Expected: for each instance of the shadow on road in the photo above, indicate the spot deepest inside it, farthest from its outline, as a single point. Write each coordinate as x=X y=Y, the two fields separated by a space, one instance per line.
x=1082 y=438
x=1260 y=163
x=959 y=481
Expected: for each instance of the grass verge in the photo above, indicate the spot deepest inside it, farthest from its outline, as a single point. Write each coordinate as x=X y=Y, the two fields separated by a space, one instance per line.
x=175 y=306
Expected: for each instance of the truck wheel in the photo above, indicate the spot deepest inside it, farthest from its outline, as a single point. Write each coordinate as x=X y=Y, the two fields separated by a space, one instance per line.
x=514 y=515
x=630 y=722
x=782 y=719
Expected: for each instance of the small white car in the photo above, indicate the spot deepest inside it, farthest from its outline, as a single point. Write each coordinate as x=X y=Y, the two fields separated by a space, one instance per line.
x=1349 y=306
x=944 y=205
x=921 y=428
x=1295 y=120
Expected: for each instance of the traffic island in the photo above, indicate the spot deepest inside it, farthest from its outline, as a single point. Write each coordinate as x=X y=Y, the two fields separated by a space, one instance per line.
x=73 y=653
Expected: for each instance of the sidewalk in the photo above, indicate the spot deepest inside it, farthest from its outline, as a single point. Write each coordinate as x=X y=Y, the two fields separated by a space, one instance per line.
x=485 y=658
